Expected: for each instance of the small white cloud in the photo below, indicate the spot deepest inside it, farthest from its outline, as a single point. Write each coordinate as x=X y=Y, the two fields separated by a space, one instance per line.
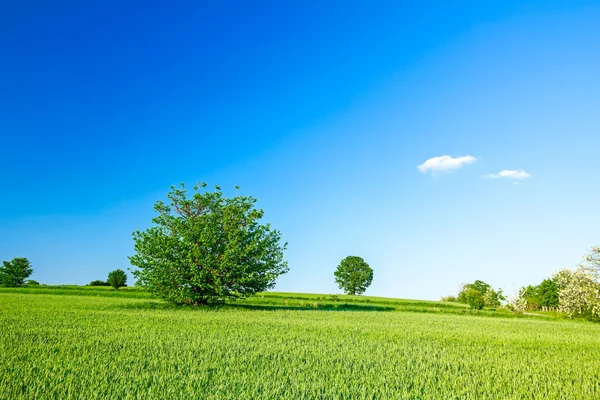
x=510 y=174
x=445 y=163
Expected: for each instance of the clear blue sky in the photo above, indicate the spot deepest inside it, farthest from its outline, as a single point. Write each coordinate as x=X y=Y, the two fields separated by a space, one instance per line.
x=321 y=110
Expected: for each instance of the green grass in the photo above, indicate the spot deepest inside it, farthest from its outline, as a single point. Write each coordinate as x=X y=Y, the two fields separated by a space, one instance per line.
x=281 y=301
x=74 y=290
x=67 y=344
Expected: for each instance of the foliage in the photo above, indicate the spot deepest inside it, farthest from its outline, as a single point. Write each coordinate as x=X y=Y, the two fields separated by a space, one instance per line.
x=74 y=290
x=489 y=296
x=516 y=302
x=13 y=273
x=32 y=282
x=117 y=278
x=98 y=283
x=449 y=298
x=207 y=249
x=55 y=347
x=579 y=292
x=353 y=275
x=474 y=298
x=541 y=296
x=592 y=259
x=548 y=293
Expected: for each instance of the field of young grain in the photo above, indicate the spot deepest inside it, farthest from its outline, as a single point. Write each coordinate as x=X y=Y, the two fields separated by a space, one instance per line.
x=70 y=346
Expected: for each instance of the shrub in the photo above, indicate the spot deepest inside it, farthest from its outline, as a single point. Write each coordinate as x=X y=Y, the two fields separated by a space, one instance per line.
x=98 y=283
x=491 y=297
x=32 y=282
x=449 y=298
x=474 y=298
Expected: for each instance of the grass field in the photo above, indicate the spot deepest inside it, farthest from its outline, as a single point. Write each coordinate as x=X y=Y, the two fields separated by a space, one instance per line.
x=80 y=343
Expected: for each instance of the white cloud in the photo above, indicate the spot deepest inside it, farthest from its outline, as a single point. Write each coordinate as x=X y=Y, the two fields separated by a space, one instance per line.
x=445 y=163
x=510 y=174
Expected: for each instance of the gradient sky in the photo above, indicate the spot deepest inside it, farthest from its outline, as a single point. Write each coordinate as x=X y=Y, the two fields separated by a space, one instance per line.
x=321 y=110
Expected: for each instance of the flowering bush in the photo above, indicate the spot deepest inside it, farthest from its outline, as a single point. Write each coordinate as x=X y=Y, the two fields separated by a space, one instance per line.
x=579 y=289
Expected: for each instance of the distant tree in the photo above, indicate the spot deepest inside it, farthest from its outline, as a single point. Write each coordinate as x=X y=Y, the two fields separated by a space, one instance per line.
x=530 y=297
x=579 y=289
x=13 y=273
x=98 y=283
x=547 y=293
x=491 y=297
x=474 y=298
x=353 y=275
x=117 y=278
x=207 y=248
x=32 y=282
x=543 y=295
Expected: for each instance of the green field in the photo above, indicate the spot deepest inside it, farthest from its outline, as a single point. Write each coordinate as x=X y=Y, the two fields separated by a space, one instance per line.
x=79 y=343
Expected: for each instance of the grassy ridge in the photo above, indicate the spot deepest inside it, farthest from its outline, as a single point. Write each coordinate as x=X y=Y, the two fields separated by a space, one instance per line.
x=67 y=347
x=74 y=290
x=278 y=300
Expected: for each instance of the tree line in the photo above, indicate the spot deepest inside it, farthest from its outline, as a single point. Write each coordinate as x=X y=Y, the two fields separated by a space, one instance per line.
x=574 y=292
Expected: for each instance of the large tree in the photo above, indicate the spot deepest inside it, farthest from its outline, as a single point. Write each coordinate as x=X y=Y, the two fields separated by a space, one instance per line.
x=353 y=275
x=13 y=273
x=207 y=248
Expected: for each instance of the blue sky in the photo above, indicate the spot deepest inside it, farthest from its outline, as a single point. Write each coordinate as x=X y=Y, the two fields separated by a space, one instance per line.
x=321 y=111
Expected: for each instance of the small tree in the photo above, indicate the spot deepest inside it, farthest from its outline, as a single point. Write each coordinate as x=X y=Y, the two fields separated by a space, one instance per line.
x=474 y=298
x=579 y=289
x=353 y=275
x=13 y=273
x=207 y=249
x=547 y=292
x=117 y=278
x=579 y=292
x=491 y=297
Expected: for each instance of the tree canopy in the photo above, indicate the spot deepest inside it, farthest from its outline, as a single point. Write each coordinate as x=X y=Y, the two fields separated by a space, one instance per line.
x=479 y=294
x=353 y=275
x=117 y=278
x=543 y=295
x=207 y=248
x=579 y=289
x=14 y=273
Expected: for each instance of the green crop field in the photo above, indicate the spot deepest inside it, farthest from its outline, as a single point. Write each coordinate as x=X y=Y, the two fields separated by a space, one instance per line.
x=94 y=343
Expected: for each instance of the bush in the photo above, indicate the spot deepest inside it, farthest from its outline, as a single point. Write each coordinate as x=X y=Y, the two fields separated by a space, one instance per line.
x=98 y=283
x=474 y=298
x=449 y=298
x=491 y=297
x=32 y=282
x=579 y=292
